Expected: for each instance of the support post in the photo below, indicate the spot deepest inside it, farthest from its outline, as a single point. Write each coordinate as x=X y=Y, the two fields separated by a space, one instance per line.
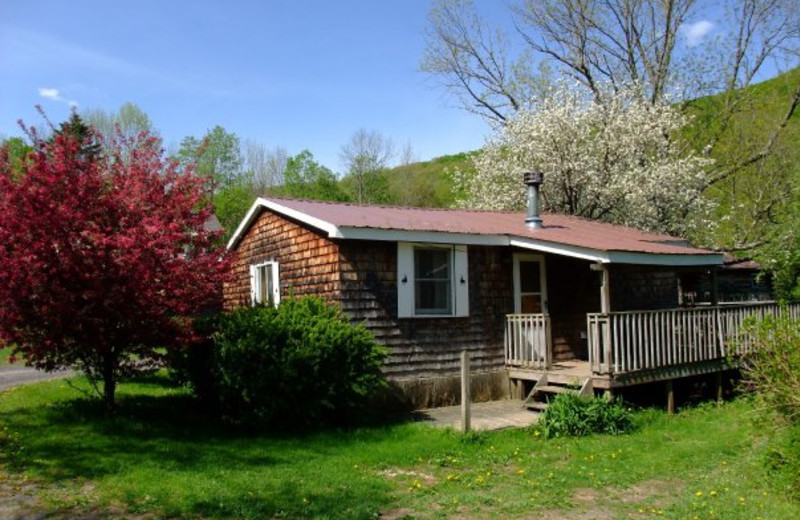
x=604 y=326
x=465 y=392
x=718 y=382
x=670 y=397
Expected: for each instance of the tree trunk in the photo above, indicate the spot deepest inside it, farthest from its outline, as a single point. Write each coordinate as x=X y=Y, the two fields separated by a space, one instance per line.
x=109 y=380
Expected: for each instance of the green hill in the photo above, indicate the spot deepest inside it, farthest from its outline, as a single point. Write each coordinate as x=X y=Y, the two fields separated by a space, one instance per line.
x=756 y=199
x=426 y=183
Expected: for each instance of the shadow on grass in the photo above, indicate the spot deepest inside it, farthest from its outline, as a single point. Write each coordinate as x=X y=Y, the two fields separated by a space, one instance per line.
x=77 y=438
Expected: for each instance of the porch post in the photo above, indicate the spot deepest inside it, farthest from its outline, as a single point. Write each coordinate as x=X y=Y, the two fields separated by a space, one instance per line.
x=605 y=349
x=605 y=290
x=605 y=308
x=670 y=397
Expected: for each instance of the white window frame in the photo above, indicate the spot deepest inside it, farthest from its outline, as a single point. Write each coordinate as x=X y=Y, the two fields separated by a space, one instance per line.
x=406 y=280
x=272 y=270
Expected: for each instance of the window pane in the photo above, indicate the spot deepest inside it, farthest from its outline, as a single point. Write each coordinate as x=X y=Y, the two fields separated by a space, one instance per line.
x=529 y=278
x=433 y=297
x=531 y=304
x=432 y=264
x=270 y=297
x=263 y=284
x=433 y=290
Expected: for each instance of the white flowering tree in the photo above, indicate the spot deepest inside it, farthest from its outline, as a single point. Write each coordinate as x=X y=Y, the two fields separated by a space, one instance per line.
x=621 y=160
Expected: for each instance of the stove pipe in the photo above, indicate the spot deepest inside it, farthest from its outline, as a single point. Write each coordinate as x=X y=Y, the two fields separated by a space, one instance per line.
x=533 y=180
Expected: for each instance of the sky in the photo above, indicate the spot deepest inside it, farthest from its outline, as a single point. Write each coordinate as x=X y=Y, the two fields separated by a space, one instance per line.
x=300 y=74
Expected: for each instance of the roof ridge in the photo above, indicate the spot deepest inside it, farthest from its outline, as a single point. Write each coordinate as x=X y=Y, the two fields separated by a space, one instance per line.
x=392 y=206
x=480 y=211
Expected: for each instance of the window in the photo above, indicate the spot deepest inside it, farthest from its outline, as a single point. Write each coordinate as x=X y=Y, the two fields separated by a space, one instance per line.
x=264 y=284
x=432 y=280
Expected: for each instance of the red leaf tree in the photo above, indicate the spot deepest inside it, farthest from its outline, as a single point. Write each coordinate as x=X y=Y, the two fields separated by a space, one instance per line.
x=104 y=257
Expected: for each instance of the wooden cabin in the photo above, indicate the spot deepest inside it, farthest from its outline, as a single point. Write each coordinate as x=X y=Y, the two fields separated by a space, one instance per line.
x=573 y=301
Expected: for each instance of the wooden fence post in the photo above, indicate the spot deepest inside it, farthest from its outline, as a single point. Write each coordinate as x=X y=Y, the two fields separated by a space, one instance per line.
x=465 y=392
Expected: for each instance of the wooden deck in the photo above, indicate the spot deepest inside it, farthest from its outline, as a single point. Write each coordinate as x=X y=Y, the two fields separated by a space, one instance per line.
x=631 y=348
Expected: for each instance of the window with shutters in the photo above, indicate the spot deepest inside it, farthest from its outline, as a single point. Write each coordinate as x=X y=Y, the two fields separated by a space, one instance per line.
x=432 y=280
x=265 y=285
x=433 y=283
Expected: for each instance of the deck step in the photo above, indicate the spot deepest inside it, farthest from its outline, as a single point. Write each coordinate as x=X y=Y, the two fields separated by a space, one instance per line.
x=553 y=389
x=539 y=406
x=539 y=396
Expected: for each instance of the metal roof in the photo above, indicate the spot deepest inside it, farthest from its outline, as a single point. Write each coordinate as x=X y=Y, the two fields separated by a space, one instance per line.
x=561 y=234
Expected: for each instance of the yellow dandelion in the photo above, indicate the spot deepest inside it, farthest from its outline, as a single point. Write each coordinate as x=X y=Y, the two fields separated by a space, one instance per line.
x=698 y=493
x=713 y=493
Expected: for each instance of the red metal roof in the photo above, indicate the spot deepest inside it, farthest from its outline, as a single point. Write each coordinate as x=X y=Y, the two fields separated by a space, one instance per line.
x=558 y=229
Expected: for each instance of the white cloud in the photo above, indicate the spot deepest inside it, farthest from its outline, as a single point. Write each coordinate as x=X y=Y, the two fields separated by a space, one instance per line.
x=54 y=95
x=50 y=93
x=695 y=32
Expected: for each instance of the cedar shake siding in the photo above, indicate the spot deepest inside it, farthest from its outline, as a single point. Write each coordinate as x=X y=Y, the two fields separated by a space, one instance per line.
x=641 y=288
x=428 y=347
x=361 y=277
x=308 y=262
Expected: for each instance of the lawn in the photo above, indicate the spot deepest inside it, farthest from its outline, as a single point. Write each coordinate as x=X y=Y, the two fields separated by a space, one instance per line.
x=161 y=456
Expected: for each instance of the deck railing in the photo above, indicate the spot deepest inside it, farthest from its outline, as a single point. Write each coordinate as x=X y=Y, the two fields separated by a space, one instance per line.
x=623 y=342
x=527 y=341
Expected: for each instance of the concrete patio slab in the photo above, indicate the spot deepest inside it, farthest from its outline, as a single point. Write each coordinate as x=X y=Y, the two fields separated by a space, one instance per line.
x=491 y=415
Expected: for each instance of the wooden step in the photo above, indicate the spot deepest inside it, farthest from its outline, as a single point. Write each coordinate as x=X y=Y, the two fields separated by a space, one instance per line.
x=537 y=399
x=552 y=389
x=536 y=405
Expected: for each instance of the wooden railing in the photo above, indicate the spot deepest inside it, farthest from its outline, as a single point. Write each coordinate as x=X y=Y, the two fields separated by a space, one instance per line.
x=527 y=341
x=623 y=342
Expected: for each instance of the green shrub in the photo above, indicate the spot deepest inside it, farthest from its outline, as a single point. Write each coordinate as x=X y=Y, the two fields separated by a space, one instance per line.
x=783 y=459
x=298 y=365
x=772 y=368
x=570 y=414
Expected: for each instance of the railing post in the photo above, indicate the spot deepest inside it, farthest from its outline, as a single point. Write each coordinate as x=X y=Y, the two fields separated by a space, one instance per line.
x=607 y=346
x=548 y=356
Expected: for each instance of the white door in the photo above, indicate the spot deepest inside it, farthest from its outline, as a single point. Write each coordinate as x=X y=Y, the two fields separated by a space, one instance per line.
x=530 y=331
x=530 y=284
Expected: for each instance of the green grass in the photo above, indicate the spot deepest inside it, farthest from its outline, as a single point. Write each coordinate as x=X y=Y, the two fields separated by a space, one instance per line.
x=162 y=456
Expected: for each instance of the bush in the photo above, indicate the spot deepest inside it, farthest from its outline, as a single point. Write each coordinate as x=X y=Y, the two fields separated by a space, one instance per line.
x=783 y=459
x=298 y=365
x=574 y=415
x=772 y=368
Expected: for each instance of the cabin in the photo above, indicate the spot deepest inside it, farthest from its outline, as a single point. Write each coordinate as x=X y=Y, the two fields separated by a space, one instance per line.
x=536 y=300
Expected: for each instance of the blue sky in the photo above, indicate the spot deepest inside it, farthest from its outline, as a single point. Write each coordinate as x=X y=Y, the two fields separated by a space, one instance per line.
x=298 y=74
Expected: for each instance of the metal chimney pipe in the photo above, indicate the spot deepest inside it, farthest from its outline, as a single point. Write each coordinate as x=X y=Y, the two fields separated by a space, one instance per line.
x=533 y=180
